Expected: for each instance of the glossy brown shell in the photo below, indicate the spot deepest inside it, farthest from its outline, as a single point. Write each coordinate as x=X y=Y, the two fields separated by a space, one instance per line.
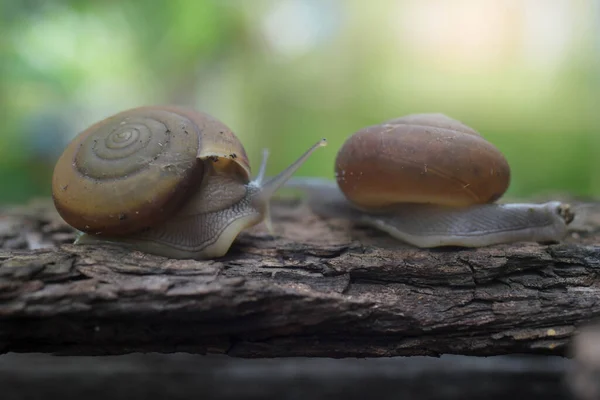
x=136 y=168
x=420 y=158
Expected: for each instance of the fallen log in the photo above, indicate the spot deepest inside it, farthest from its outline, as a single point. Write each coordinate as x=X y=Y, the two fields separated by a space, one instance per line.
x=318 y=287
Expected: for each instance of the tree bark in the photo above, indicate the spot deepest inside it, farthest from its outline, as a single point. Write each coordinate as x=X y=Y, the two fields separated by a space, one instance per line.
x=317 y=288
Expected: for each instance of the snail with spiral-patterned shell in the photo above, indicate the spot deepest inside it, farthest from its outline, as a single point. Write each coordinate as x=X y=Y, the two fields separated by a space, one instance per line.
x=430 y=181
x=164 y=180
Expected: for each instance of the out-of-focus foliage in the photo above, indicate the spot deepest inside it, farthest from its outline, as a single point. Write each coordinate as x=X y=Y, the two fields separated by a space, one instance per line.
x=283 y=73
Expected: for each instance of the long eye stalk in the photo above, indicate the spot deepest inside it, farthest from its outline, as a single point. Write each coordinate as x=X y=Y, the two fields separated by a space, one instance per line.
x=268 y=189
x=263 y=168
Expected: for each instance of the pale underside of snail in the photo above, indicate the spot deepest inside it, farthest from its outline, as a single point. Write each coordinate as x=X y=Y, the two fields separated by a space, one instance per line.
x=430 y=181
x=163 y=180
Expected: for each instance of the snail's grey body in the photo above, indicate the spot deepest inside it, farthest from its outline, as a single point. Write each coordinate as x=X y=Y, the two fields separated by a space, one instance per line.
x=428 y=225
x=192 y=233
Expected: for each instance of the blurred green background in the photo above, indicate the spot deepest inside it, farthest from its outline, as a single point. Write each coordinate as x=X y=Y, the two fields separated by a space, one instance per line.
x=283 y=73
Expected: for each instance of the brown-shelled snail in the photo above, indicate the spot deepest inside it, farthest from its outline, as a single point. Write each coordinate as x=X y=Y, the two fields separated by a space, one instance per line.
x=164 y=180
x=430 y=181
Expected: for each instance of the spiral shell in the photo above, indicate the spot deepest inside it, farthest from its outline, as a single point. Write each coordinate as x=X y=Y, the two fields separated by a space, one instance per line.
x=420 y=158
x=136 y=168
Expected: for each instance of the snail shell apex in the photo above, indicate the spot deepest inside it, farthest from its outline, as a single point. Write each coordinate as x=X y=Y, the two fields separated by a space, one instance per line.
x=420 y=158
x=136 y=168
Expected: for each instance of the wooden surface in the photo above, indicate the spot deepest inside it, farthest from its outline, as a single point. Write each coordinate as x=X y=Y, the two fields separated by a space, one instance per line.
x=318 y=288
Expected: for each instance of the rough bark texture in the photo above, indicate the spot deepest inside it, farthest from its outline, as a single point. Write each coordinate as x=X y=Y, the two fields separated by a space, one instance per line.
x=318 y=288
